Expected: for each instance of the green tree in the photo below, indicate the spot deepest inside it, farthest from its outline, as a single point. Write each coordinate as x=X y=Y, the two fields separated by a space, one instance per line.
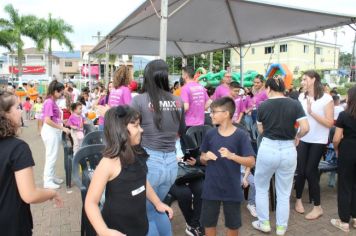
x=14 y=28
x=6 y=39
x=53 y=29
x=345 y=60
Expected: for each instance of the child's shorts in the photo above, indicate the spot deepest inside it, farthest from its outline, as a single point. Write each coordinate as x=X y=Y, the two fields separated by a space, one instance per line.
x=211 y=209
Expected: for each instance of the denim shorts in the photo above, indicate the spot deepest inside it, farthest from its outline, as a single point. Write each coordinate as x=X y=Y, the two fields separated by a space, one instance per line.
x=211 y=209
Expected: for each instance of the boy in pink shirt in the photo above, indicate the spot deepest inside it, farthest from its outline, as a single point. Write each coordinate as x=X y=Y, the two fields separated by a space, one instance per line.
x=239 y=102
x=76 y=122
x=27 y=107
x=195 y=99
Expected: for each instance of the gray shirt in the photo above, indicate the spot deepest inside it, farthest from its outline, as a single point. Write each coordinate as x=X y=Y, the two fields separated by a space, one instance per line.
x=160 y=140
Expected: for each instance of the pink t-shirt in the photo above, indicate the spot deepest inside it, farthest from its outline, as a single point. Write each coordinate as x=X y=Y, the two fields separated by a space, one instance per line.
x=240 y=107
x=27 y=106
x=260 y=97
x=120 y=96
x=51 y=109
x=75 y=120
x=196 y=96
x=221 y=91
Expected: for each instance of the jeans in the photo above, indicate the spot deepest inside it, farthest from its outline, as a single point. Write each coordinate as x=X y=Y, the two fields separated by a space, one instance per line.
x=51 y=138
x=251 y=189
x=279 y=158
x=162 y=172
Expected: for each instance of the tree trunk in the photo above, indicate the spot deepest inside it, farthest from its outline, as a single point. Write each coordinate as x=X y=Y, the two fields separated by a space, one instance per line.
x=19 y=61
x=50 y=60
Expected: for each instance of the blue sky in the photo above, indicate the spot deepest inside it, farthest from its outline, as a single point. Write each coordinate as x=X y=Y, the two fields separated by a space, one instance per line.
x=89 y=17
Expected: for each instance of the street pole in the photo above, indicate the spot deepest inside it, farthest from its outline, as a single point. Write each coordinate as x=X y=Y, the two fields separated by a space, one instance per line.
x=106 y=77
x=211 y=62
x=194 y=62
x=223 y=59
x=241 y=67
x=163 y=30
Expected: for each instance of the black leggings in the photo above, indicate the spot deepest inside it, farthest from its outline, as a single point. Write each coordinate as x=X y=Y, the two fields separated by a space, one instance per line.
x=309 y=155
x=346 y=186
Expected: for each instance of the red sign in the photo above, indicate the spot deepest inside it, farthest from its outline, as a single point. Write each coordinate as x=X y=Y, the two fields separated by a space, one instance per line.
x=94 y=70
x=28 y=69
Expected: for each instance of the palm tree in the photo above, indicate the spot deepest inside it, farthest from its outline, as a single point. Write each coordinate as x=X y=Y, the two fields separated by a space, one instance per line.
x=6 y=39
x=53 y=29
x=14 y=28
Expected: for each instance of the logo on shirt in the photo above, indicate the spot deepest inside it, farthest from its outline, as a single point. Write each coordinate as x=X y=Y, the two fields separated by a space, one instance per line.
x=167 y=106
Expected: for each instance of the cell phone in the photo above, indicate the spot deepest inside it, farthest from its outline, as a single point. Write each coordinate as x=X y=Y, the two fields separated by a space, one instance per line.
x=191 y=153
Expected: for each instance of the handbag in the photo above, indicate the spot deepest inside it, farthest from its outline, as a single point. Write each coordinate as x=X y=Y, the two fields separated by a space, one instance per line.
x=188 y=173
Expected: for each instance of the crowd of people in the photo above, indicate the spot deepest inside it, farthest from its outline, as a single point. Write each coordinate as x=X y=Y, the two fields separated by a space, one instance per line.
x=256 y=134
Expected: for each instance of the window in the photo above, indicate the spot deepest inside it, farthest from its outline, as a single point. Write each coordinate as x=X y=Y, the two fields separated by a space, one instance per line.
x=269 y=50
x=252 y=51
x=283 y=48
x=306 y=49
x=319 y=50
x=68 y=64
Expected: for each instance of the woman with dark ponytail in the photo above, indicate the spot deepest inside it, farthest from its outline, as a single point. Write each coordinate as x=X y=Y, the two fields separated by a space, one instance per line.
x=319 y=108
x=277 y=153
x=51 y=133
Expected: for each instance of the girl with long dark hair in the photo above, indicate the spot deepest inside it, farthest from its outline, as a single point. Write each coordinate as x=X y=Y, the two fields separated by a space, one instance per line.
x=162 y=120
x=122 y=171
x=344 y=144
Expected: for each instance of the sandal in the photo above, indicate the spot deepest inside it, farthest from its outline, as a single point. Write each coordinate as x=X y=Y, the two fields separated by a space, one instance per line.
x=340 y=225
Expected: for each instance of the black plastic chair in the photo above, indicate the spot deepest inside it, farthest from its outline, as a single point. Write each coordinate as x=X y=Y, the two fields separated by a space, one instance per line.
x=68 y=157
x=88 y=128
x=86 y=158
x=197 y=133
x=95 y=137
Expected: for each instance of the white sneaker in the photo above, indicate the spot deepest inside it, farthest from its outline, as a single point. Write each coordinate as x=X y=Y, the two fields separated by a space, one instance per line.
x=252 y=209
x=262 y=226
x=58 y=180
x=281 y=230
x=51 y=185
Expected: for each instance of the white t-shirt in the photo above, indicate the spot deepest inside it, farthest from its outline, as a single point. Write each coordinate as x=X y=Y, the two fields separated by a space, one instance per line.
x=318 y=133
x=337 y=110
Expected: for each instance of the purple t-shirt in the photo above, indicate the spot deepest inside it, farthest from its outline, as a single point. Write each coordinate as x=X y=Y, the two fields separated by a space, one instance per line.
x=120 y=96
x=221 y=91
x=51 y=109
x=240 y=107
x=102 y=102
x=75 y=120
x=195 y=95
x=260 y=97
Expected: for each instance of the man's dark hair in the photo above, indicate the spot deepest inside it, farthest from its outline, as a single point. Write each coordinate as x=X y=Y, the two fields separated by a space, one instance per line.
x=189 y=70
x=235 y=84
x=226 y=103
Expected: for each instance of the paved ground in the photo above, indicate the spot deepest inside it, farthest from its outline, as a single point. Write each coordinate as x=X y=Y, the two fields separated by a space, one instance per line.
x=66 y=221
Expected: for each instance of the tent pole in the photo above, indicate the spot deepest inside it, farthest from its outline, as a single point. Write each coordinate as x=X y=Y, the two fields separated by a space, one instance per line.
x=106 y=77
x=241 y=67
x=163 y=30
x=184 y=61
x=89 y=74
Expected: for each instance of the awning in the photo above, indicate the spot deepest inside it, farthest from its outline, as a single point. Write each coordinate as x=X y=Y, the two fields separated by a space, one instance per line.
x=209 y=25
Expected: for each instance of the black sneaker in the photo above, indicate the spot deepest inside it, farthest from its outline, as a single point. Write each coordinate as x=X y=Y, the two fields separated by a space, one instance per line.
x=191 y=231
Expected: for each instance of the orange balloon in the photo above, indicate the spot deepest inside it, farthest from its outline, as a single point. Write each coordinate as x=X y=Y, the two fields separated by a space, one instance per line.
x=91 y=115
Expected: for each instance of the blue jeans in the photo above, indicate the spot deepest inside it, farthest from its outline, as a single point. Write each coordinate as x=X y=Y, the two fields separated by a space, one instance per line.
x=279 y=158
x=162 y=172
x=251 y=189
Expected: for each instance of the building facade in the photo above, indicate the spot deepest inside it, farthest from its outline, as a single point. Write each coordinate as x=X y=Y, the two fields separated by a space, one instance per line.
x=299 y=54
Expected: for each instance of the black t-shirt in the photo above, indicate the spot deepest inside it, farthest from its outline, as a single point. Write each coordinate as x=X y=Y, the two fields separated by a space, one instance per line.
x=15 y=214
x=348 y=124
x=278 y=117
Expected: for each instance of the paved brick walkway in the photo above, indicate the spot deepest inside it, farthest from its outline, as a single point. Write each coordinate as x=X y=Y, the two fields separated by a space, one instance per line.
x=66 y=221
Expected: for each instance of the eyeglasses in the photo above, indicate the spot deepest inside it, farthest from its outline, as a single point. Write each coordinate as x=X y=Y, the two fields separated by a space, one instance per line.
x=214 y=112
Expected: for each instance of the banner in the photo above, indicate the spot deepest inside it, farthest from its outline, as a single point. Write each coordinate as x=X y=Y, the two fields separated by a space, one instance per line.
x=94 y=70
x=28 y=69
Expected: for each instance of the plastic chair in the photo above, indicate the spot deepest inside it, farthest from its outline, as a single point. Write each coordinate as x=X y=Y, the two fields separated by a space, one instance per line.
x=95 y=137
x=86 y=159
x=68 y=157
x=197 y=133
x=88 y=128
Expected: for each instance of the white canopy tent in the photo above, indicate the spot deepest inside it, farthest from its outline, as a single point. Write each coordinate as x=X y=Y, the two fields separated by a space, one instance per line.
x=197 y=26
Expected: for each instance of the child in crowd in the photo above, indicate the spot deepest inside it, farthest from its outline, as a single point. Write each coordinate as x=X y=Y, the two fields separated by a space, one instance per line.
x=337 y=107
x=27 y=107
x=224 y=150
x=247 y=179
x=37 y=107
x=17 y=182
x=239 y=102
x=76 y=122
x=122 y=171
